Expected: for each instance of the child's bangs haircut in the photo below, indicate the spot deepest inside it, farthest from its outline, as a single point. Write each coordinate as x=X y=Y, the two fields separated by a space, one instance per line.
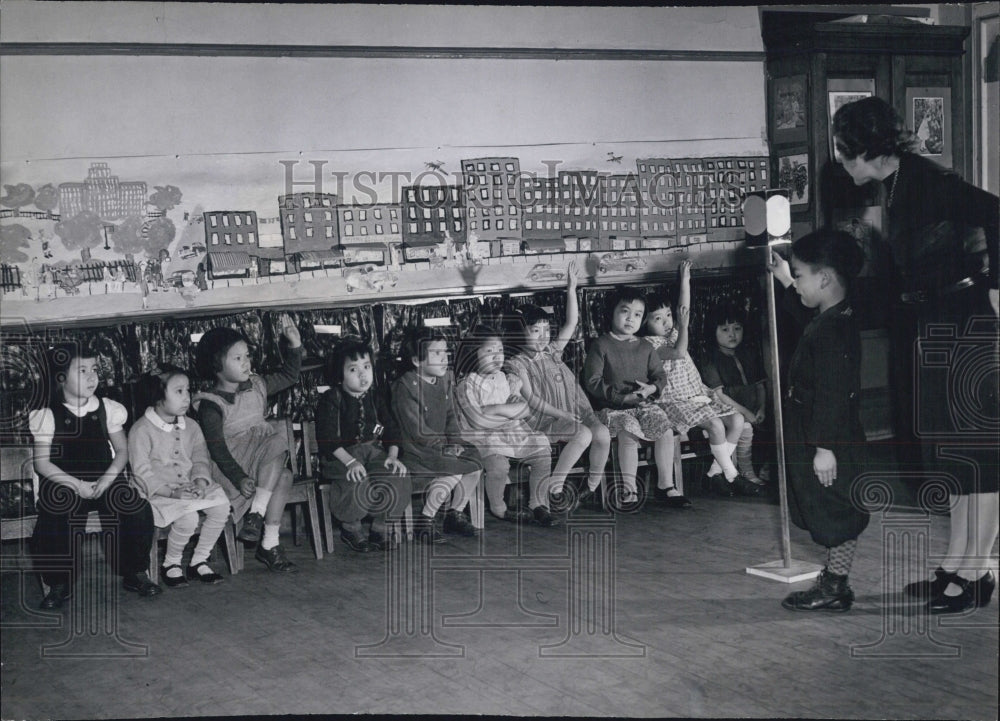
x=57 y=362
x=212 y=350
x=416 y=341
x=466 y=361
x=626 y=295
x=532 y=314
x=152 y=387
x=724 y=314
x=350 y=348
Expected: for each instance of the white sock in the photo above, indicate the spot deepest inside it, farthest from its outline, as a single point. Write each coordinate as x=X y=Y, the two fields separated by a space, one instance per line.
x=270 y=539
x=724 y=460
x=714 y=470
x=593 y=482
x=260 y=501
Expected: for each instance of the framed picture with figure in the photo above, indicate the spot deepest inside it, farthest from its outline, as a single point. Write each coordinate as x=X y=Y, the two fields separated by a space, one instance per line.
x=788 y=109
x=841 y=91
x=928 y=117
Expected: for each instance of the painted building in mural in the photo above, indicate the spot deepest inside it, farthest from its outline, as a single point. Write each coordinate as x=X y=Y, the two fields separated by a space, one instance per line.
x=368 y=233
x=103 y=194
x=540 y=204
x=619 y=213
x=492 y=199
x=579 y=203
x=308 y=225
x=433 y=217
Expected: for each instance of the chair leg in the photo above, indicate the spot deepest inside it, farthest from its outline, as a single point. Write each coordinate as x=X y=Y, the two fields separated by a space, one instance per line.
x=296 y=539
x=154 y=557
x=229 y=541
x=678 y=469
x=476 y=504
x=408 y=517
x=314 y=527
x=326 y=516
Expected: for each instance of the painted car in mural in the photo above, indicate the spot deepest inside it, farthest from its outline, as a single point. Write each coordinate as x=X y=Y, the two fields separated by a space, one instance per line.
x=619 y=262
x=543 y=272
x=369 y=278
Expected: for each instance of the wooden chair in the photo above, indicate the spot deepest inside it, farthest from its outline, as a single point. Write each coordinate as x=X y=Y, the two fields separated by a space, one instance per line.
x=303 y=491
x=646 y=461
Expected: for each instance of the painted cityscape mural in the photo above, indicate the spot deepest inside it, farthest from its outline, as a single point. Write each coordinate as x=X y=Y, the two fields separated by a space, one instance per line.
x=106 y=245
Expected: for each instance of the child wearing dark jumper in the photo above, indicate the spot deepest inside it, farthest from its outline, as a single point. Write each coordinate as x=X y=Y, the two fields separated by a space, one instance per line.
x=80 y=453
x=250 y=456
x=366 y=476
x=423 y=406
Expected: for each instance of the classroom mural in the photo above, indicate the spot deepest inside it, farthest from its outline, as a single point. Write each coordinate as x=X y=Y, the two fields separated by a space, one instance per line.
x=106 y=238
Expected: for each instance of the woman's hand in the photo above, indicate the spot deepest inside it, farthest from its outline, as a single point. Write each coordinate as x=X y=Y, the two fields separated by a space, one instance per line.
x=825 y=466
x=779 y=268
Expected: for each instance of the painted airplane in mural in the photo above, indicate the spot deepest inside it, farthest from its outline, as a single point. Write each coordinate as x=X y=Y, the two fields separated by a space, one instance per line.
x=612 y=158
x=436 y=165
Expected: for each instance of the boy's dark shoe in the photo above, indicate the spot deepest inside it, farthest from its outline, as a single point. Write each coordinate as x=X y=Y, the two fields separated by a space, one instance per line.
x=663 y=497
x=456 y=523
x=565 y=501
x=140 y=583
x=745 y=487
x=253 y=526
x=425 y=532
x=589 y=499
x=516 y=515
x=57 y=595
x=543 y=517
x=275 y=559
x=354 y=541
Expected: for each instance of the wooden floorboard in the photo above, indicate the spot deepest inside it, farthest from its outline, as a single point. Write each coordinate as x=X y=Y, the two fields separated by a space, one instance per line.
x=711 y=641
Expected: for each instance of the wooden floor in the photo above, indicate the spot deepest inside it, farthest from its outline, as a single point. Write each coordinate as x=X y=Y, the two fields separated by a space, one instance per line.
x=693 y=635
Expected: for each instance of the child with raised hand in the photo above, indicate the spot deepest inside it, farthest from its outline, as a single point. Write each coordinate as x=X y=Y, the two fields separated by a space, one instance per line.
x=423 y=406
x=559 y=407
x=622 y=374
x=366 y=476
x=824 y=439
x=173 y=471
x=80 y=453
x=491 y=418
x=738 y=379
x=686 y=400
x=250 y=456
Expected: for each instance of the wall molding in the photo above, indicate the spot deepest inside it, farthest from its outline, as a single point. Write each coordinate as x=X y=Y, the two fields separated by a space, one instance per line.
x=375 y=51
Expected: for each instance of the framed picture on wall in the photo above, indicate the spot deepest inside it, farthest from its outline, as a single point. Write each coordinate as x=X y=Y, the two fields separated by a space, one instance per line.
x=841 y=91
x=928 y=117
x=793 y=174
x=788 y=109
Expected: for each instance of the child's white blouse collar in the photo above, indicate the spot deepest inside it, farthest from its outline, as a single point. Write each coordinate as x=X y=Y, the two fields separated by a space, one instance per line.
x=151 y=416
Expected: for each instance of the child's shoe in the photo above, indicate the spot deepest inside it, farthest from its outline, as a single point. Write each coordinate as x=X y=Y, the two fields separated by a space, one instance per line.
x=662 y=496
x=140 y=583
x=515 y=515
x=204 y=573
x=543 y=517
x=57 y=595
x=830 y=593
x=378 y=541
x=589 y=499
x=275 y=559
x=745 y=487
x=456 y=523
x=425 y=532
x=354 y=540
x=721 y=486
x=253 y=526
x=173 y=581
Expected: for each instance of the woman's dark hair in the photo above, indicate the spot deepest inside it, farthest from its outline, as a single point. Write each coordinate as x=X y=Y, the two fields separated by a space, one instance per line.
x=870 y=127
x=349 y=348
x=152 y=387
x=467 y=361
x=724 y=314
x=212 y=350
x=830 y=248
x=415 y=342
x=57 y=361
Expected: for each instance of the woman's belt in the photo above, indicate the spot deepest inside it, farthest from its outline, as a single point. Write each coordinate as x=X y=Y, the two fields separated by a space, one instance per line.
x=924 y=296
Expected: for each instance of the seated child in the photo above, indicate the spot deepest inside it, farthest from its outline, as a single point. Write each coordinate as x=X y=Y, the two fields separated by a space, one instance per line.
x=422 y=402
x=491 y=413
x=250 y=456
x=621 y=374
x=559 y=407
x=685 y=398
x=739 y=380
x=173 y=471
x=366 y=478
x=80 y=452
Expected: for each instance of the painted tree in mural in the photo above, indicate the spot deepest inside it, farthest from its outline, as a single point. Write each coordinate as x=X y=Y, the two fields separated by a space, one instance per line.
x=127 y=237
x=81 y=232
x=166 y=197
x=16 y=196
x=12 y=239
x=159 y=234
x=47 y=198
x=134 y=235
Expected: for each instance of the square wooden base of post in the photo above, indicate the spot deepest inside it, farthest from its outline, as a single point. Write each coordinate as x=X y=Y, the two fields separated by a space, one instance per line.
x=777 y=571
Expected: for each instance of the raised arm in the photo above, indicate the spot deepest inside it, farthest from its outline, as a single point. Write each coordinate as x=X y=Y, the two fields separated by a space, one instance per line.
x=568 y=329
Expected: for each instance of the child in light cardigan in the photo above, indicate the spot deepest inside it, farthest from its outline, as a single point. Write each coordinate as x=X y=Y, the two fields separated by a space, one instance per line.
x=173 y=471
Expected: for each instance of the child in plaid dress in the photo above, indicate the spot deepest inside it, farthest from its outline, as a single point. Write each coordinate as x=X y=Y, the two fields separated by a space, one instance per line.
x=685 y=399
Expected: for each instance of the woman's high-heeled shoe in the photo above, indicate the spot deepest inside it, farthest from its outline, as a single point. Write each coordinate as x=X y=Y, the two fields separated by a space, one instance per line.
x=930 y=589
